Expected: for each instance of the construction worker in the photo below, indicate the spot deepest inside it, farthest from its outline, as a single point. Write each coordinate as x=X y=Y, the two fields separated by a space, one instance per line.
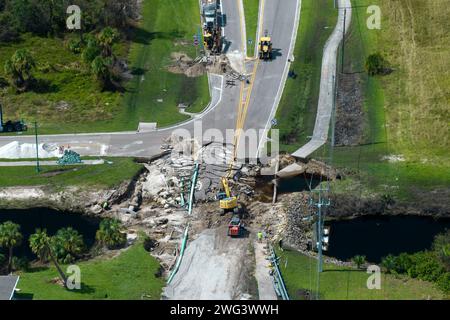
x=260 y=237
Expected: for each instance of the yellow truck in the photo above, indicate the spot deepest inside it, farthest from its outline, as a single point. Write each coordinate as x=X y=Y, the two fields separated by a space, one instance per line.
x=265 y=48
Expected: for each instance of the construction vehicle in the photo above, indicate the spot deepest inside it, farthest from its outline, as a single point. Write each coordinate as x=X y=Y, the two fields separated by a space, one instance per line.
x=212 y=28
x=11 y=126
x=265 y=48
x=228 y=202
x=235 y=227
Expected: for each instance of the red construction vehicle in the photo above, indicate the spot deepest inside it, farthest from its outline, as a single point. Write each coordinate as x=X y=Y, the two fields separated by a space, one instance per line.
x=235 y=228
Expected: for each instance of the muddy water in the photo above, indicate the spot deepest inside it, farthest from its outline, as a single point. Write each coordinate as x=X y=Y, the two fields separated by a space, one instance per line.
x=376 y=237
x=52 y=220
x=264 y=185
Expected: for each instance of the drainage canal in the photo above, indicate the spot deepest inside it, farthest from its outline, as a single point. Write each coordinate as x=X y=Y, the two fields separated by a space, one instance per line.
x=52 y=220
x=376 y=237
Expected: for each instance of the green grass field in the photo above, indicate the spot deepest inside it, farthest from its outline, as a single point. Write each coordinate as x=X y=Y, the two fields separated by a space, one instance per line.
x=90 y=176
x=251 y=11
x=166 y=27
x=63 y=79
x=339 y=283
x=126 y=277
x=405 y=110
x=297 y=110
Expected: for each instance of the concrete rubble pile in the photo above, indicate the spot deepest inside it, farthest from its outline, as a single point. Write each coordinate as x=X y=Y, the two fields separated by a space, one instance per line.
x=298 y=229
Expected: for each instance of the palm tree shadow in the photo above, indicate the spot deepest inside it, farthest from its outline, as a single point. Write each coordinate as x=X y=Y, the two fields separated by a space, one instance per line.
x=142 y=36
x=342 y=270
x=85 y=289
x=37 y=269
x=23 y=296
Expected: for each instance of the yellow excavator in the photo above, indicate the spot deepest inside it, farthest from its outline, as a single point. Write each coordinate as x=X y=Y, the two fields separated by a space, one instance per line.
x=228 y=202
x=265 y=47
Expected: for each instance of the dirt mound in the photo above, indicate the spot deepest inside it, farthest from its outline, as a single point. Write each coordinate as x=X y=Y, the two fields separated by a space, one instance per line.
x=183 y=64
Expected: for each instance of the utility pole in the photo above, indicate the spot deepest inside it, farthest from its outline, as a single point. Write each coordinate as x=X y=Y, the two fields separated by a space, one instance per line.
x=38 y=169
x=343 y=41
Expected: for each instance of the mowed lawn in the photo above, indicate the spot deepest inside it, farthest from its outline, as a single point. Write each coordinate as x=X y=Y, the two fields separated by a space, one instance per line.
x=130 y=276
x=69 y=98
x=154 y=93
x=339 y=283
x=106 y=175
x=297 y=110
x=251 y=11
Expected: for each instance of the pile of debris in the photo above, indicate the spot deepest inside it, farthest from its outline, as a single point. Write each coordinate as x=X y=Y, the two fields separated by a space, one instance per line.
x=183 y=64
x=298 y=231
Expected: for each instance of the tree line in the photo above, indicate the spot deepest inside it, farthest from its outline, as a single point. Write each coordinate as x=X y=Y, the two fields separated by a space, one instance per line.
x=64 y=247
x=431 y=265
x=103 y=23
x=48 y=17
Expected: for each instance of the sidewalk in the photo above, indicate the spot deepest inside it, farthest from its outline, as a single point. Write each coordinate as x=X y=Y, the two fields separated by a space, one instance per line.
x=46 y=163
x=265 y=281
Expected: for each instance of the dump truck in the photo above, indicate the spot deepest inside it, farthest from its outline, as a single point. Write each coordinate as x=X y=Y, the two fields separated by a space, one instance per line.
x=235 y=227
x=265 y=47
x=11 y=126
x=228 y=202
x=212 y=26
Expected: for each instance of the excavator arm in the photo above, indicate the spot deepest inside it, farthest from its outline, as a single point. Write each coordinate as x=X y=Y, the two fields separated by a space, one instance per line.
x=226 y=187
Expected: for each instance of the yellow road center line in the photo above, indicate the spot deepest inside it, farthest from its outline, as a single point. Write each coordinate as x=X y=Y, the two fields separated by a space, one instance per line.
x=243 y=105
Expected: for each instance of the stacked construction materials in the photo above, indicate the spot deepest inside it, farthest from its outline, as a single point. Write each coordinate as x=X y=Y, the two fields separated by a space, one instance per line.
x=69 y=157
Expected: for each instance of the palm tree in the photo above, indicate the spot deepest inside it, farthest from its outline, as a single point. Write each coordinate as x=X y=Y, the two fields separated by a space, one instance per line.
x=106 y=38
x=359 y=260
x=19 y=67
x=110 y=233
x=91 y=51
x=40 y=245
x=388 y=263
x=10 y=237
x=67 y=245
x=100 y=67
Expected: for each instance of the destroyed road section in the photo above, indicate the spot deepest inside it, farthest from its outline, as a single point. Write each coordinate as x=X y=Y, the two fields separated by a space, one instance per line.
x=215 y=267
x=153 y=205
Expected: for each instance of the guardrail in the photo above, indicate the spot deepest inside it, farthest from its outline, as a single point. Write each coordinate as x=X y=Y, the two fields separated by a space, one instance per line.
x=280 y=287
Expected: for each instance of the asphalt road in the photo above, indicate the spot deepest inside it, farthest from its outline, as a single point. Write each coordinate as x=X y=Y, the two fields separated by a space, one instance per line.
x=280 y=22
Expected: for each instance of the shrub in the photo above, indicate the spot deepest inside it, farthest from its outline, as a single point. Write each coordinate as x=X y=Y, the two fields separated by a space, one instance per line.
x=425 y=266
x=443 y=282
x=403 y=263
x=376 y=64
x=110 y=234
x=20 y=263
x=75 y=46
x=441 y=247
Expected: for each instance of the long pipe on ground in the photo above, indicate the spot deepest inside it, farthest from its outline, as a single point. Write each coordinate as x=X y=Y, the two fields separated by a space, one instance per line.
x=180 y=257
x=193 y=184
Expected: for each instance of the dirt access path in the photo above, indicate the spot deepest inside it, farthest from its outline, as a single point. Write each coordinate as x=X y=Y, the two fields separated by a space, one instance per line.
x=215 y=267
